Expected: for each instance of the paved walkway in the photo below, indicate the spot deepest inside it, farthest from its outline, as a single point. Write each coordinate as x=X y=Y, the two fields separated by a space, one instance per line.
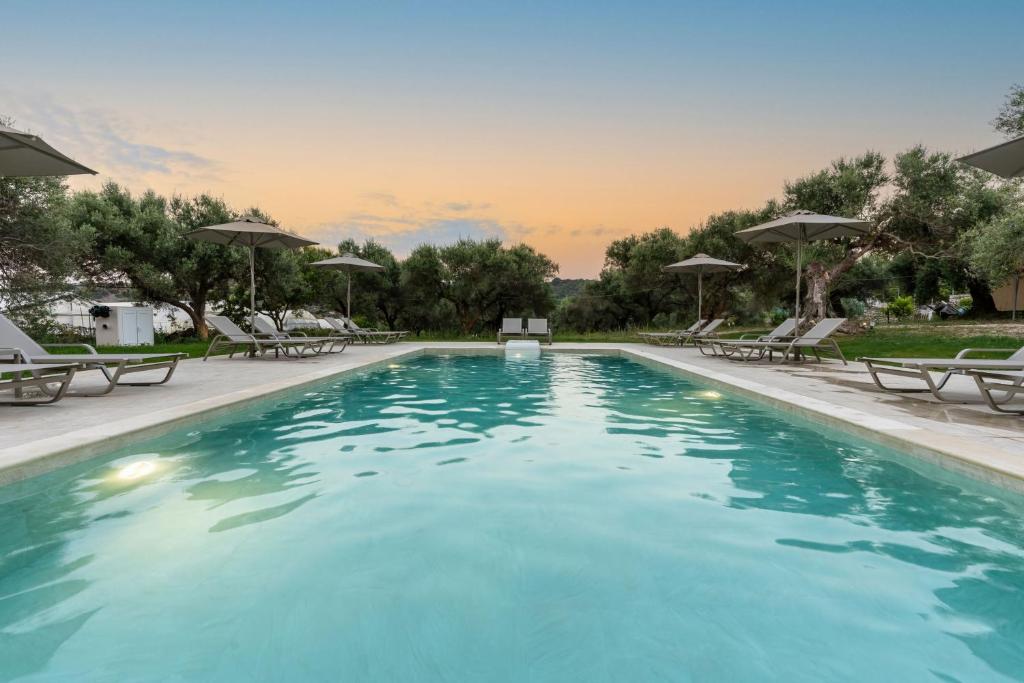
x=959 y=436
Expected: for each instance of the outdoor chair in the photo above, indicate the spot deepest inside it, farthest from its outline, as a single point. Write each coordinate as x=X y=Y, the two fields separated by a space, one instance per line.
x=815 y=340
x=511 y=327
x=922 y=368
x=538 y=327
x=231 y=336
x=113 y=365
x=265 y=329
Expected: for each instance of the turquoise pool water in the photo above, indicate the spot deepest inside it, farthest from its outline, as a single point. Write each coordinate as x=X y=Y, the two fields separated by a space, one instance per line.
x=474 y=519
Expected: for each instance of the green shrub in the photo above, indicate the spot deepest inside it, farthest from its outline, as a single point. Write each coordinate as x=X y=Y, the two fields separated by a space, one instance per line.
x=900 y=307
x=853 y=308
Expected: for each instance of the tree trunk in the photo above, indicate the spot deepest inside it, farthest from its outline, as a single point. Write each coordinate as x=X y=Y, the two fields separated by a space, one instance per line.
x=981 y=298
x=198 y=321
x=815 y=303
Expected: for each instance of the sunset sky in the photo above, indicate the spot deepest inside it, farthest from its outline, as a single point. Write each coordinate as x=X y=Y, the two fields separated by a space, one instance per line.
x=564 y=125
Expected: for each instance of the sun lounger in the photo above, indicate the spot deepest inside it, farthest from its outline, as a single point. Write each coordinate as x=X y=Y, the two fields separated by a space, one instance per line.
x=113 y=365
x=538 y=327
x=364 y=335
x=709 y=331
x=328 y=344
x=671 y=337
x=727 y=347
x=922 y=369
x=235 y=338
x=816 y=339
x=510 y=327
x=388 y=336
x=1007 y=383
x=17 y=377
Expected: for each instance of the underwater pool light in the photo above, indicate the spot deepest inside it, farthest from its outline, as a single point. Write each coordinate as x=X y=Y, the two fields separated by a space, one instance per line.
x=136 y=470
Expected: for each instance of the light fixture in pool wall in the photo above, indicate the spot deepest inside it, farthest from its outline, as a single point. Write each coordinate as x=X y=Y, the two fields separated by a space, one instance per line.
x=136 y=470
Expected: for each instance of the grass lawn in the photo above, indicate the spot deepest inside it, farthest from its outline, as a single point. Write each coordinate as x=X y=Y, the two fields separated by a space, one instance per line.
x=940 y=340
x=195 y=348
x=923 y=344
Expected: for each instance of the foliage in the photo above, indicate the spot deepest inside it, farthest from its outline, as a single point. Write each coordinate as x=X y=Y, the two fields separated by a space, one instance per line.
x=900 y=307
x=39 y=250
x=376 y=295
x=565 y=288
x=853 y=308
x=777 y=316
x=285 y=282
x=139 y=240
x=997 y=247
x=480 y=282
x=1010 y=120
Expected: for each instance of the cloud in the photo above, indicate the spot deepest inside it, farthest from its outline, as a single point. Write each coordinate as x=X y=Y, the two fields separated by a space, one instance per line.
x=460 y=207
x=106 y=142
x=402 y=227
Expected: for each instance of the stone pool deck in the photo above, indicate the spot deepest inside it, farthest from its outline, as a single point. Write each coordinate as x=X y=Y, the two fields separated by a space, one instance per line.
x=965 y=437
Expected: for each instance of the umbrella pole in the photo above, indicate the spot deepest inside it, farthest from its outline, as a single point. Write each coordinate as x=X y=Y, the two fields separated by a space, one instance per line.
x=1016 y=289
x=348 y=297
x=796 y=306
x=252 y=296
x=252 y=290
x=700 y=294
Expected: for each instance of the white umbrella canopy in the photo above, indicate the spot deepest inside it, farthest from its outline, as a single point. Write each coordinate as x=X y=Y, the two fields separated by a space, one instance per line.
x=348 y=263
x=700 y=264
x=1006 y=159
x=24 y=154
x=803 y=226
x=251 y=232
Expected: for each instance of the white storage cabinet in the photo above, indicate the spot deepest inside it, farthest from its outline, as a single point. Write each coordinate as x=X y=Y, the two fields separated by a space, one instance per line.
x=126 y=326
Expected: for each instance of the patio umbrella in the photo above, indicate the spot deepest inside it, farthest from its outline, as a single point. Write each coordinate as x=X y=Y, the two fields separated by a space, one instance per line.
x=700 y=264
x=1006 y=159
x=251 y=232
x=803 y=226
x=24 y=154
x=348 y=263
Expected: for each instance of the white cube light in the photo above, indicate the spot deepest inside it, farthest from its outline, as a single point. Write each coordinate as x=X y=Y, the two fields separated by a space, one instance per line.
x=522 y=348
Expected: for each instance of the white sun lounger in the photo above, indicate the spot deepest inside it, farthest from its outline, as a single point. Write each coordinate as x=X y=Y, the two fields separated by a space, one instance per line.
x=364 y=335
x=727 y=347
x=1007 y=383
x=235 y=338
x=113 y=365
x=266 y=330
x=17 y=377
x=922 y=369
x=816 y=339
x=672 y=337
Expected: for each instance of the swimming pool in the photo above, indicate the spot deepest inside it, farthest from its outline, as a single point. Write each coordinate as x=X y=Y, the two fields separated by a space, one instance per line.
x=577 y=517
